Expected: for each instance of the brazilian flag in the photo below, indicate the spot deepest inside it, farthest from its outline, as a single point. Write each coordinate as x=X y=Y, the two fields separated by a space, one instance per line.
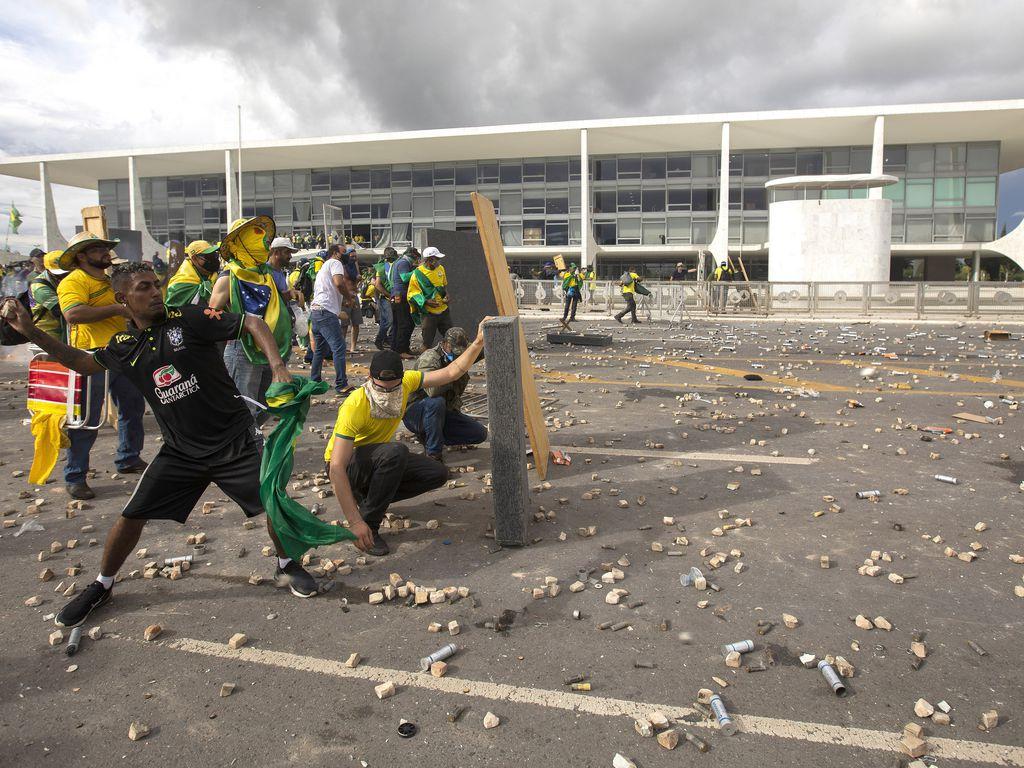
x=15 y=219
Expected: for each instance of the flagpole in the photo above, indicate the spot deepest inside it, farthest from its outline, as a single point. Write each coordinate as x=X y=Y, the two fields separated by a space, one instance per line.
x=239 y=161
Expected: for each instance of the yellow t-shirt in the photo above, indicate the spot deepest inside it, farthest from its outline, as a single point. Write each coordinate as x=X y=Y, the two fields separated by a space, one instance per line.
x=631 y=288
x=82 y=288
x=438 y=278
x=354 y=420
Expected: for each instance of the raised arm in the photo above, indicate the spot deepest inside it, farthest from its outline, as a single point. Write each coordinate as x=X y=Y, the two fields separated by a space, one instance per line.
x=260 y=332
x=338 y=473
x=75 y=359
x=219 y=297
x=460 y=365
x=83 y=313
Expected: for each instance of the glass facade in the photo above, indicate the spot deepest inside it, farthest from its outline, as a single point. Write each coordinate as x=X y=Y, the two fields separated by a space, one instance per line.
x=946 y=194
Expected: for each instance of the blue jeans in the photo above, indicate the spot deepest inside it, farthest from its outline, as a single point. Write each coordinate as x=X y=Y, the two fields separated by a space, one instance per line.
x=130 y=435
x=431 y=421
x=383 y=322
x=327 y=331
x=250 y=380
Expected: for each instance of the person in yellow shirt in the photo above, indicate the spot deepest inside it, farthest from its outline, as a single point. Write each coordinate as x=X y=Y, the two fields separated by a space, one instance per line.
x=363 y=461
x=193 y=282
x=629 y=281
x=428 y=297
x=93 y=316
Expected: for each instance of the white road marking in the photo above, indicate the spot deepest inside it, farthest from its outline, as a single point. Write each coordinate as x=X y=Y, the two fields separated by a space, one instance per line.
x=819 y=733
x=692 y=456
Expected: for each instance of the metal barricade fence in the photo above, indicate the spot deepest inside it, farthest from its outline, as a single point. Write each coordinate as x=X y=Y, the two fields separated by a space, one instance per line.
x=671 y=300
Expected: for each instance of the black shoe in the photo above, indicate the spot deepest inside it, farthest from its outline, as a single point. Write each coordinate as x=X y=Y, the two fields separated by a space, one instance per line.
x=439 y=458
x=380 y=547
x=297 y=579
x=618 y=320
x=637 y=322
x=77 y=611
x=136 y=467
x=80 y=491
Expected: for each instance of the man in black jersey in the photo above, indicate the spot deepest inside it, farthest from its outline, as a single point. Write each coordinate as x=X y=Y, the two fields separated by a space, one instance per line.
x=172 y=356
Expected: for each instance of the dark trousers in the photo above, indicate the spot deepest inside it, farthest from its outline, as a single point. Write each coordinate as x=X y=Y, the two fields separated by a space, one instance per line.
x=383 y=473
x=630 y=307
x=434 y=324
x=401 y=326
x=571 y=301
x=436 y=426
x=130 y=435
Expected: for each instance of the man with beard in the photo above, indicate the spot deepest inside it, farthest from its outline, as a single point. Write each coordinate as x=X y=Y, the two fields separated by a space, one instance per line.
x=173 y=357
x=93 y=316
x=364 y=462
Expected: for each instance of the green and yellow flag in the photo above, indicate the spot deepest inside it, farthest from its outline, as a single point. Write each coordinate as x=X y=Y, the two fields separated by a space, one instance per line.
x=15 y=219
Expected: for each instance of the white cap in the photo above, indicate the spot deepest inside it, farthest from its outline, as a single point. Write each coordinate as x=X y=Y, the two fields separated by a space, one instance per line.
x=283 y=242
x=432 y=253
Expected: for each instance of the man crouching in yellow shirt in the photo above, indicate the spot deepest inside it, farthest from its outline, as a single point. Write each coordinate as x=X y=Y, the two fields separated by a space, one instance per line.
x=362 y=458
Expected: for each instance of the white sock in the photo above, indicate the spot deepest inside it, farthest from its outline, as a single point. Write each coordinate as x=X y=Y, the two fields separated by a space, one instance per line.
x=106 y=581
x=283 y=561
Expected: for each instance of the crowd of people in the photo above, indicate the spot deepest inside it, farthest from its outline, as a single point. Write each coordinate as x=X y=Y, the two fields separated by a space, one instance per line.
x=203 y=347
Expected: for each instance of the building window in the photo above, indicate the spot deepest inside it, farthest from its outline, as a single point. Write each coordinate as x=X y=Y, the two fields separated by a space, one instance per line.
x=556 y=172
x=755 y=199
x=629 y=167
x=533 y=171
x=511 y=173
x=557 y=204
x=982 y=158
x=678 y=230
x=423 y=207
x=755 y=164
x=949 y=192
x=755 y=232
x=896 y=230
x=705 y=166
x=444 y=202
x=679 y=199
x=653 y=232
x=678 y=166
x=487 y=173
x=653 y=168
x=894 y=158
x=533 y=205
x=653 y=200
x=401 y=203
x=380 y=178
x=860 y=160
x=511 y=234
x=809 y=163
x=339 y=180
x=981 y=192
x=557 y=233
x=919 y=193
x=919 y=229
x=604 y=201
x=950 y=157
x=629 y=231
x=604 y=169
x=465 y=176
x=533 y=232
x=628 y=200
x=705 y=198
x=444 y=177
x=782 y=163
x=921 y=158
x=604 y=232
x=464 y=204
x=837 y=160
x=949 y=227
x=320 y=180
x=980 y=230
x=703 y=231
x=511 y=203
x=423 y=177
x=736 y=164
x=895 y=192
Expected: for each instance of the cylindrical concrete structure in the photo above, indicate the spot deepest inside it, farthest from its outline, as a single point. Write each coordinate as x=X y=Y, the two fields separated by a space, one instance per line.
x=829 y=240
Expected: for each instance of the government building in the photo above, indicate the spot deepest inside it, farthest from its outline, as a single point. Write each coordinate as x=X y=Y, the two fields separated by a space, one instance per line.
x=866 y=193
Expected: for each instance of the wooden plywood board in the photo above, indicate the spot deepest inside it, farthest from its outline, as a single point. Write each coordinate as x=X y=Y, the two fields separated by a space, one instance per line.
x=466 y=267
x=94 y=219
x=501 y=284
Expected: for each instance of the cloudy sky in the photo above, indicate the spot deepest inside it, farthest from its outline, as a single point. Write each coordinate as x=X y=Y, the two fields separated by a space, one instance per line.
x=81 y=75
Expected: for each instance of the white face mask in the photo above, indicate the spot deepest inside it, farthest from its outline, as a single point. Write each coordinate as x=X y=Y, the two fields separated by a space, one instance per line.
x=384 y=405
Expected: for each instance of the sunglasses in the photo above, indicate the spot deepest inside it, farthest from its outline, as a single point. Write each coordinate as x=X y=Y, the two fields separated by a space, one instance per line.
x=379 y=388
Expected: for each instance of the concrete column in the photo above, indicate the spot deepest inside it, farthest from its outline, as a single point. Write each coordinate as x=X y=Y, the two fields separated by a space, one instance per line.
x=877 y=155
x=585 y=254
x=511 y=492
x=976 y=267
x=231 y=187
x=719 y=246
x=52 y=238
x=137 y=212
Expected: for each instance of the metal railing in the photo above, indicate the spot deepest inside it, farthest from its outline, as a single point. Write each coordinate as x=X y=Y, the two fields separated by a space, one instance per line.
x=678 y=300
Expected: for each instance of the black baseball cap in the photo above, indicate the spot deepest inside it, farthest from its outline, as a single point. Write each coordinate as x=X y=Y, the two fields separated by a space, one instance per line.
x=36 y=253
x=386 y=365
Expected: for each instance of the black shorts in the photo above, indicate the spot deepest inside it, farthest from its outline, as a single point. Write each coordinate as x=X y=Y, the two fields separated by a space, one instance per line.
x=174 y=482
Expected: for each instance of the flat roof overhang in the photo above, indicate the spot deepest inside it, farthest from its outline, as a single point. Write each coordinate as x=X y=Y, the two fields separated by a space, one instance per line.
x=782 y=129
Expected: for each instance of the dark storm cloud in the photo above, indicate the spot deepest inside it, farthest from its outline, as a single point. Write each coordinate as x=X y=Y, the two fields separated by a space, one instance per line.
x=384 y=65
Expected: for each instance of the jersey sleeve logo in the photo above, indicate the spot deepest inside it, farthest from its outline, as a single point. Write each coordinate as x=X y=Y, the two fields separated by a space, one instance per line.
x=213 y=313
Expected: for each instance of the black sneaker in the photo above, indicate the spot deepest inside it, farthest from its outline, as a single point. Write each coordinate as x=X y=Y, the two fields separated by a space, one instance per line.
x=136 y=467
x=380 y=547
x=618 y=320
x=77 y=611
x=297 y=579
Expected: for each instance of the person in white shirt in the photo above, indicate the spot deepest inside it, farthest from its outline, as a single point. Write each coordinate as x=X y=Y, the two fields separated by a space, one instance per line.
x=331 y=294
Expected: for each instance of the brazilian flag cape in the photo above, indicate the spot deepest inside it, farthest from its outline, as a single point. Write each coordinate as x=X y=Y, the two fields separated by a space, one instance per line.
x=186 y=284
x=295 y=526
x=420 y=292
x=252 y=291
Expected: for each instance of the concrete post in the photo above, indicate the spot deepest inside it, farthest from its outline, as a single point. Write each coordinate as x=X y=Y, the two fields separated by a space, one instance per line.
x=511 y=491
x=719 y=246
x=52 y=238
x=231 y=188
x=137 y=215
x=584 y=202
x=877 y=155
